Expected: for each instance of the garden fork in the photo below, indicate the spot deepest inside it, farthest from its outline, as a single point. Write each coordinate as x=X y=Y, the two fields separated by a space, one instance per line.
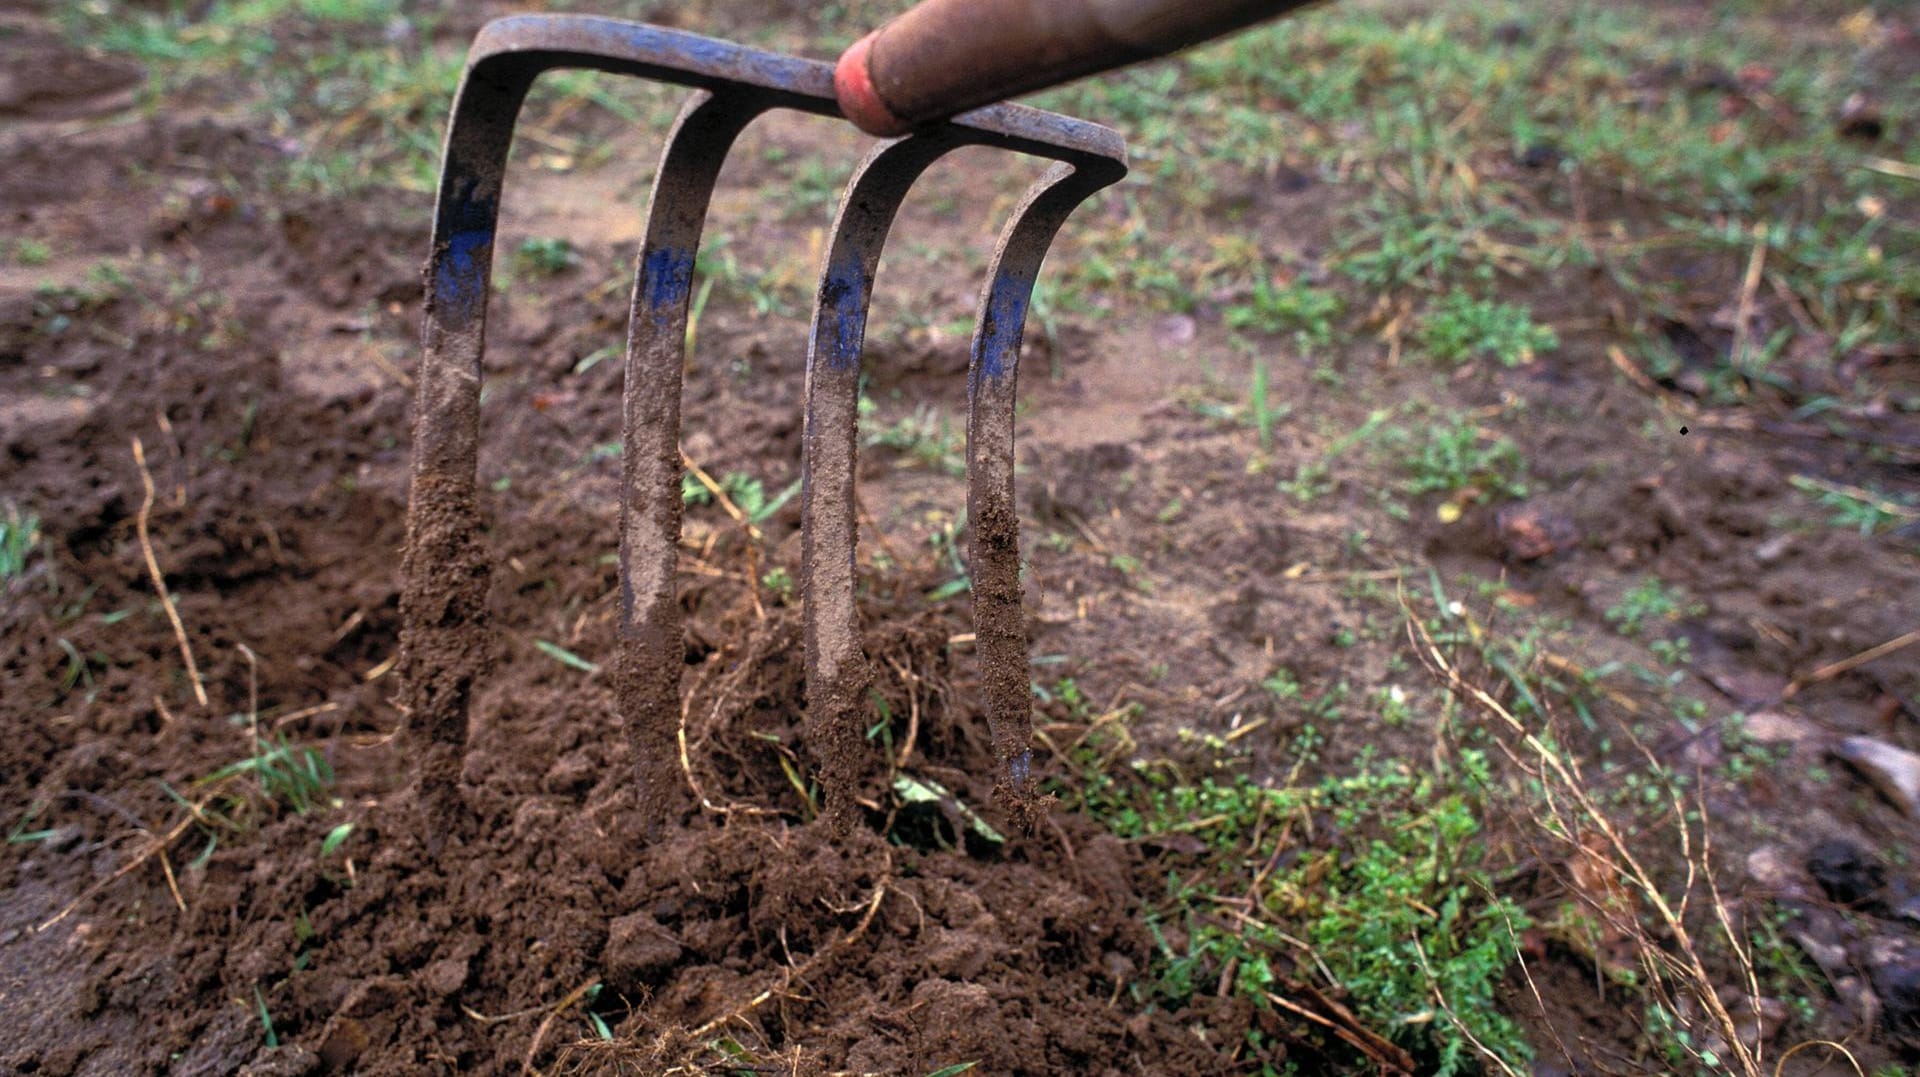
x=446 y=567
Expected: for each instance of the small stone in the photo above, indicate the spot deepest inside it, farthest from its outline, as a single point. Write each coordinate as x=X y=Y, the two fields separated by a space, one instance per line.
x=1859 y=998
x=1539 y=155
x=1779 y=727
x=1819 y=941
x=64 y=838
x=1909 y=910
x=1747 y=687
x=638 y=950
x=1894 y=771
x=1848 y=873
x=1774 y=548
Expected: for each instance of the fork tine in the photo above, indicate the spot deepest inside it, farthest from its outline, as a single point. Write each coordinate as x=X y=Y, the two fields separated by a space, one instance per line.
x=837 y=674
x=999 y=619
x=445 y=639
x=652 y=650
x=443 y=603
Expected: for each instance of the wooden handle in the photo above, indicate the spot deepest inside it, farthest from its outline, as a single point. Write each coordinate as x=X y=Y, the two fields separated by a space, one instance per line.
x=943 y=57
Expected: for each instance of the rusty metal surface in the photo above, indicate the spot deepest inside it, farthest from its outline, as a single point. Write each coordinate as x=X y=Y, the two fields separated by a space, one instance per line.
x=943 y=56
x=444 y=636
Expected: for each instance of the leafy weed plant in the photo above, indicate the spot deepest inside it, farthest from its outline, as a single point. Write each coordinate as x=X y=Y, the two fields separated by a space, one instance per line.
x=1453 y=455
x=1397 y=907
x=1460 y=329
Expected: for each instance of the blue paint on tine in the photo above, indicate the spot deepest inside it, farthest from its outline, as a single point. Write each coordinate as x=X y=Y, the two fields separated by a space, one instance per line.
x=666 y=280
x=1003 y=322
x=459 y=284
x=844 y=296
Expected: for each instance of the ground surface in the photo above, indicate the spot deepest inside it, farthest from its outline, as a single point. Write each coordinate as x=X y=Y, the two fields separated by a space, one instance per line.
x=1582 y=341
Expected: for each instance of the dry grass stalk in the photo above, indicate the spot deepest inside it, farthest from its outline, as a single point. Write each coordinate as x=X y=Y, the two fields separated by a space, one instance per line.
x=153 y=569
x=1676 y=973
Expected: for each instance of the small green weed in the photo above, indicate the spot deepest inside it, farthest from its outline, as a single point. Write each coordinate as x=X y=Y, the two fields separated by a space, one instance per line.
x=747 y=493
x=780 y=583
x=286 y=773
x=1400 y=913
x=815 y=186
x=565 y=657
x=19 y=534
x=1459 y=329
x=1307 y=311
x=546 y=257
x=1454 y=455
x=1647 y=603
x=927 y=437
x=26 y=251
x=1314 y=477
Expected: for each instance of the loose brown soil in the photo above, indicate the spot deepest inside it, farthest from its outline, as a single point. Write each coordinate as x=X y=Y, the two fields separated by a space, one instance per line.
x=261 y=353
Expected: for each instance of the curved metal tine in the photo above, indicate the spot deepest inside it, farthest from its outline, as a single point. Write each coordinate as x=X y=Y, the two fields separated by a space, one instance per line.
x=443 y=601
x=837 y=674
x=652 y=650
x=999 y=620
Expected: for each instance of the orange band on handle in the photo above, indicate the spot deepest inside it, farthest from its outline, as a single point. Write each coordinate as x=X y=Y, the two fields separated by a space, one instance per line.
x=853 y=85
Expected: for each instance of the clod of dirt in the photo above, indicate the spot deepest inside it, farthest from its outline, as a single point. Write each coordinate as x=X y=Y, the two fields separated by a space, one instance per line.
x=1861 y=119
x=1771 y=868
x=1894 y=965
x=46 y=79
x=1893 y=771
x=1529 y=530
x=638 y=951
x=1765 y=1015
x=1083 y=485
x=291 y=1061
x=1539 y=155
x=1512 y=33
x=1848 y=873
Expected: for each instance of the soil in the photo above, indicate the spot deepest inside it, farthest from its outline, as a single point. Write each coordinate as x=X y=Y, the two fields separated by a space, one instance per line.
x=261 y=354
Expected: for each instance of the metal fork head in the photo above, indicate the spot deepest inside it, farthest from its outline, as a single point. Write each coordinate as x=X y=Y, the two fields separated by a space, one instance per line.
x=443 y=604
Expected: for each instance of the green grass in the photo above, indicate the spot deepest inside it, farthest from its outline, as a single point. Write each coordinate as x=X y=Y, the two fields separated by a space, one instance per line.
x=747 y=493
x=1394 y=900
x=357 y=90
x=19 y=534
x=926 y=437
x=546 y=256
x=1459 y=329
x=288 y=774
x=1869 y=512
x=1452 y=455
x=26 y=251
x=1648 y=604
x=1296 y=307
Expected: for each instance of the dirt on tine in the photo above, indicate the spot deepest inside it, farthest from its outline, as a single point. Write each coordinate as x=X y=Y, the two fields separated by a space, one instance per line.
x=839 y=673
x=447 y=567
x=165 y=275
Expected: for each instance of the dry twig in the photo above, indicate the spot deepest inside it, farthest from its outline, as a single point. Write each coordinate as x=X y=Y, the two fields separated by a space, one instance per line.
x=153 y=569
